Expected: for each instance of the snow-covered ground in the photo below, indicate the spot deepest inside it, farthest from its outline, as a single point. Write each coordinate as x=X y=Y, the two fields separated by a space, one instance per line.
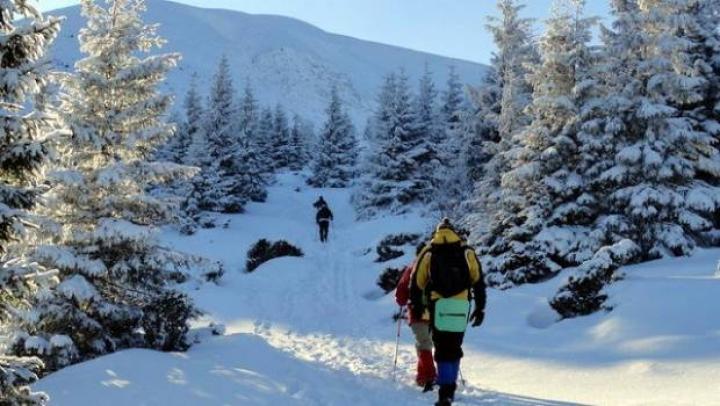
x=315 y=331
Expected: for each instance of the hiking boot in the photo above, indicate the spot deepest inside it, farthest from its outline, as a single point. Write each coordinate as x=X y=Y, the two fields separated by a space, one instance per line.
x=429 y=387
x=446 y=394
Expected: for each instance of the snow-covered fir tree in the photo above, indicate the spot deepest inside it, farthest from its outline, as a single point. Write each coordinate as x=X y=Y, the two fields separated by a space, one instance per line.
x=654 y=170
x=26 y=131
x=258 y=135
x=335 y=157
x=436 y=132
x=480 y=125
x=195 y=142
x=658 y=139
x=280 y=147
x=194 y=128
x=545 y=210
x=471 y=144
x=221 y=185
x=452 y=100
x=300 y=136
x=249 y=112
x=516 y=53
x=394 y=177
x=114 y=287
x=264 y=138
x=189 y=127
x=253 y=179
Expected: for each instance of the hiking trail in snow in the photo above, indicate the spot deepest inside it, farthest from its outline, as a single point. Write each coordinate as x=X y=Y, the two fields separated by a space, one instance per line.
x=317 y=331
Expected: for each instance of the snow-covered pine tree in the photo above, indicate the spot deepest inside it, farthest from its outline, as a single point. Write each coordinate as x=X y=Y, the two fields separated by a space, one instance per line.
x=542 y=224
x=114 y=277
x=452 y=100
x=473 y=143
x=249 y=112
x=657 y=143
x=393 y=178
x=435 y=135
x=695 y=56
x=192 y=123
x=280 y=148
x=335 y=157
x=222 y=189
x=257 y=134
x=299 y=141
x=516 y=53
x=197 y=148
x=266 y=124
x=194 y=152
x=656 y=160
x=480 y=124
x=26 y=131
x=253 y=177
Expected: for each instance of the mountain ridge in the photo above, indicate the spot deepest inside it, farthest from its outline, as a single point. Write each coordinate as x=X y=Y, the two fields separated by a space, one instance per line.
x=287 y=60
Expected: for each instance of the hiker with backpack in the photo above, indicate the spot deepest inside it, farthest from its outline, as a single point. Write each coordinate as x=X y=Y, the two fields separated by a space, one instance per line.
x=425 y=375
x=447 y=277
x=323 y=218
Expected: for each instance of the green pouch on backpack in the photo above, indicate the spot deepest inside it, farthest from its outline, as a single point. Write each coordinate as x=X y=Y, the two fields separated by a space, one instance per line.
x=451 y=315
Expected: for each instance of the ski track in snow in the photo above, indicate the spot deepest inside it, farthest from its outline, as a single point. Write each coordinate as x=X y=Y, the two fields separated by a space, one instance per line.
x=303 y=331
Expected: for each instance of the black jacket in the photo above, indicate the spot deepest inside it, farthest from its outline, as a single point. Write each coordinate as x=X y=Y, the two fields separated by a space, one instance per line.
x=324 y=214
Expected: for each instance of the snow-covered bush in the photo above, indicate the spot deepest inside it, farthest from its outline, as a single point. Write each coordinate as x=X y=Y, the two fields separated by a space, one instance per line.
x=16 y=376
x=164 y=322
x=584 y=293
x=263 y=251
x=391 y=246
x=389 y=279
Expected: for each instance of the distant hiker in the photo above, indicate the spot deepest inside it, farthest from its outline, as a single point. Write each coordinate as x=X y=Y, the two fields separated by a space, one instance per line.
x=320 y=202
x=425 y=376
x=323 y=218
x=446 y=273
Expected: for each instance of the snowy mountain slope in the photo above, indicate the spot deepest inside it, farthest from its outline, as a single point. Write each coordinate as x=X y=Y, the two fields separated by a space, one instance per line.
x=303 y=331
x=286 y=60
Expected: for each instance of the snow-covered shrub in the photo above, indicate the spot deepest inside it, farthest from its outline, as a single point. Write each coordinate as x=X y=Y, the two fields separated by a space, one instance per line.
x=583 y=293
x=389 y=247
x=389 y=278
x=263 y=251
x=164 y=322
x=16 y=376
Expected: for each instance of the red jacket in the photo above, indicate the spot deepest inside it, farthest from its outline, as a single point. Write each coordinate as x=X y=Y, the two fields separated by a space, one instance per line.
x=402 y=293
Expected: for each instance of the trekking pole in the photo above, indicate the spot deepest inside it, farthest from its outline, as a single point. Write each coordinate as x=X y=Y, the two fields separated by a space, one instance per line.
x=462 y=379
x=397 y=341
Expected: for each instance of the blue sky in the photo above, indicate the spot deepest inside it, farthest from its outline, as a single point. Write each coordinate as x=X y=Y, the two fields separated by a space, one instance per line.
x=447 y=27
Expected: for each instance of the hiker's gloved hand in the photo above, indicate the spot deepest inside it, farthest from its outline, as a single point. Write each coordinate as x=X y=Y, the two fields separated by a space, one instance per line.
x=477 y=317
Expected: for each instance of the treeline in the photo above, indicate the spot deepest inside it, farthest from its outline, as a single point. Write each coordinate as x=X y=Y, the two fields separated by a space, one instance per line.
x=570 y=154
x=595 y=156
x=236 y=144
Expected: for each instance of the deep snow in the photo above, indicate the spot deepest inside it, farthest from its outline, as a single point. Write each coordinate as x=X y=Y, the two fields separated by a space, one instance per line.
x=311 y=330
